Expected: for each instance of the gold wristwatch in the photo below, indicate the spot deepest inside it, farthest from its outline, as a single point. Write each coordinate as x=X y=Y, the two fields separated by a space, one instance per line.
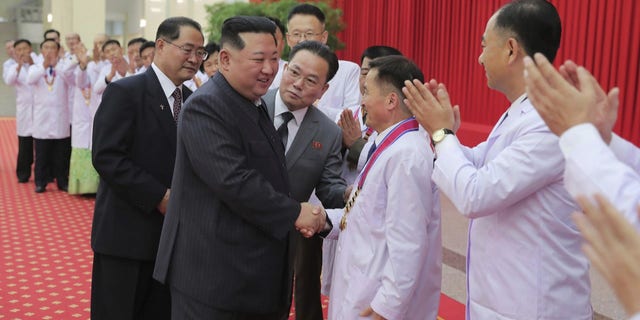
x=439 y=135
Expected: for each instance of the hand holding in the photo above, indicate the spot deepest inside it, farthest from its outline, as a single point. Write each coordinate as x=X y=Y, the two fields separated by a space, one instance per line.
x=311 y=219
x=351 y=130
x=433 y=111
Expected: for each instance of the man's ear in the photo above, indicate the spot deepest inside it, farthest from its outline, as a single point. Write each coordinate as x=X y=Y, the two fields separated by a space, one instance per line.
x=224 y=56
x=514 y=49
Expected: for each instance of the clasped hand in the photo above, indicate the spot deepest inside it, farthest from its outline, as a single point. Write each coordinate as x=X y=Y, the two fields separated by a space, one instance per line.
x=311 y=220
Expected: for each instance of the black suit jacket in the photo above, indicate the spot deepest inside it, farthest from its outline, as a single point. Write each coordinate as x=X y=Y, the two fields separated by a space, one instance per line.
x=134 y=143
x=225 y=240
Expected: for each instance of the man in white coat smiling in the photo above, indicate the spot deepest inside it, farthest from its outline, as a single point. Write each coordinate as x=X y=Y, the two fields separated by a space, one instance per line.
x=523 y=258
x=388 y=258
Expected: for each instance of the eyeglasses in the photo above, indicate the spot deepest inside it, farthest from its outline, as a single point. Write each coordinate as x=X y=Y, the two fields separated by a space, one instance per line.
x=299 y=35
x=189 y=50
x=308 y=82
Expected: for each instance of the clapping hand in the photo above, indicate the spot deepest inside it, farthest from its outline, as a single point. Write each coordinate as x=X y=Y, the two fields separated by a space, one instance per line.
x=351 y=130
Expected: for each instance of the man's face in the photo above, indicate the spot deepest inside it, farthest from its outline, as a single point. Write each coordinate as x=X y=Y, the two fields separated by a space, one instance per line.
x=305 y=27
x=495 y=55
x=133 y=52
x=178 y=58
x=211 y=64
x=250 y=71
x=364 y=70
x=22 y=51
x=8 y=46
x=98 y=41
x=71 y=41
x=147 y=56
x=374 y=100
x=304 y=80
x=49 y=49
x=113 y=52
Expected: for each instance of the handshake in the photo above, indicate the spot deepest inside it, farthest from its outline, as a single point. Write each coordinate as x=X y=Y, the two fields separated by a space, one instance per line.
x=311 y=220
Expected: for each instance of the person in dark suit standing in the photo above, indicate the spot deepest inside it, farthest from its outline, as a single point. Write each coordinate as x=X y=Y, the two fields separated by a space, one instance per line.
x=225 y=249
x=313 y=151
x=134 y=143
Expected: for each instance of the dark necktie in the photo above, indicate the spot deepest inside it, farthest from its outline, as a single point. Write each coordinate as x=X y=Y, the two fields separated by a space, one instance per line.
x=283 y=130
x=177 y=103
x=371 y=150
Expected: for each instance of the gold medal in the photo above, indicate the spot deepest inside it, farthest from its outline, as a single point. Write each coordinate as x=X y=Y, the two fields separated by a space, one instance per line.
x=50 y=87
x=86 y=93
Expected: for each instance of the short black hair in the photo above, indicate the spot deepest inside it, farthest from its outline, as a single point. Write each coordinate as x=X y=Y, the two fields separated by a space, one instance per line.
x=210 y=48
x=170 y=28
x=278 y=24
x=379 y=51
x=395 y=70
x=47 y=40
x=19 y=41
x=136 y=40
x=306 y=9
x=44 y=35
x=148 y=44
x=110 y=41
x=234 y=26
x=321 y=50
x=535 y=24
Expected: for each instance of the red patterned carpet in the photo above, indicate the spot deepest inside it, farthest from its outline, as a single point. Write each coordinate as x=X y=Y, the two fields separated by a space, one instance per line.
x=45 y=259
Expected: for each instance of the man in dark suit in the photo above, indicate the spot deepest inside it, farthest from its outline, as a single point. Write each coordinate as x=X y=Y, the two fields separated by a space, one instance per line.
x=225 y=249
x=134 y=143
x=313 y=143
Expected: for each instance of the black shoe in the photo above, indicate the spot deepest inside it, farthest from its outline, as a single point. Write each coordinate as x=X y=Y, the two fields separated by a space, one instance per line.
x=41 y=189
x=23 y=180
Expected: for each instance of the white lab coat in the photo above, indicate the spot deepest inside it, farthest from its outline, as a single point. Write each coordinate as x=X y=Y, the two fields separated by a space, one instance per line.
x=523 y=258
x=344 y=90
x=593 y=167
x=389 y=255
x=24 y=97
x=51 y=117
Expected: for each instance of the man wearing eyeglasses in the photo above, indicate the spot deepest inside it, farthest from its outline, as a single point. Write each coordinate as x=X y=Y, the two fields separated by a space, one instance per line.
x=306 y=22
x=134 y=148
x=313 y=144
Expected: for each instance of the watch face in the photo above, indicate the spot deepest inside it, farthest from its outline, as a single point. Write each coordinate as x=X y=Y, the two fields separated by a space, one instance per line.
x=438 y=135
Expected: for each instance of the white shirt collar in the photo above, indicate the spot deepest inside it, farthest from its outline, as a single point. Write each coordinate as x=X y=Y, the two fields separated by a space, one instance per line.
x=167 y=85
x=385 y=133
x=281 y=108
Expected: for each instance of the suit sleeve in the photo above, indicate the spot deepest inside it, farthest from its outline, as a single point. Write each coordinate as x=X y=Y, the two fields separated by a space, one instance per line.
x=217 y=153
x=330 y=189
x=113 y=134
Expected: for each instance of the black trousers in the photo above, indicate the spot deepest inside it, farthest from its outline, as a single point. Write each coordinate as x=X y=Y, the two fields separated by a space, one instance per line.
x=184 y=307
x=123 y=289
x=54 y=155
x=25 y=158
x=308 y=266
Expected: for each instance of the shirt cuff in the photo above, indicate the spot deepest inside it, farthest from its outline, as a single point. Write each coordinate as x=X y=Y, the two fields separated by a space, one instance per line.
x=577 y=136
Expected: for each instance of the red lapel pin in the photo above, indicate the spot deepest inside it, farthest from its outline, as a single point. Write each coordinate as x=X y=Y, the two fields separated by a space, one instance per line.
x=316 y=145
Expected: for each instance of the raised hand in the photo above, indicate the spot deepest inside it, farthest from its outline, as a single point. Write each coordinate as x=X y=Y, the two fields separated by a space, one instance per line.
x=569 y=97
x=612 y=245
x=351 y=130
x=431 y=106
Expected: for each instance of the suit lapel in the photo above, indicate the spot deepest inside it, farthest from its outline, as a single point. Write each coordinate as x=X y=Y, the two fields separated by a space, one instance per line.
x=306 y=132
x=159 y=105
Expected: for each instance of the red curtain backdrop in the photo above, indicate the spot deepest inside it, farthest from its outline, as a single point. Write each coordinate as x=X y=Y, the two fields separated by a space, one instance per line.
x=443 y=38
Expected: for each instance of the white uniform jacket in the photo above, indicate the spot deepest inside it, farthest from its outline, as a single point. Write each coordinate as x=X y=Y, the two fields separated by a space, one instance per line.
x=523 y=258
x=593 y=167
x=390 y=254
x=24 y=97
x=51 y=117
